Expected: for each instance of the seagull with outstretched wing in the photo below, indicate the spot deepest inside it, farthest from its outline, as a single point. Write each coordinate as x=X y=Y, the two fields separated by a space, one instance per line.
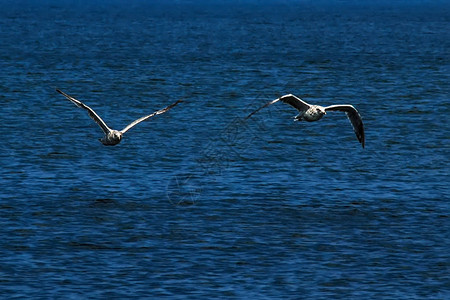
x=112 y=137
x=311 y=113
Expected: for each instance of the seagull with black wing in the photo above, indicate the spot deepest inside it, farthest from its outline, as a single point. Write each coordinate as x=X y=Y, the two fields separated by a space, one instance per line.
x=112 y=137
x=311 y=113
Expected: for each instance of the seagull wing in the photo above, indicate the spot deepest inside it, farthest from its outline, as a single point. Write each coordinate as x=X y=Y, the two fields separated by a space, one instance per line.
x=91 y=112
x=290 y=99
x=265 y=105
x=295 y=102
x=161 y=111
x=354 y=118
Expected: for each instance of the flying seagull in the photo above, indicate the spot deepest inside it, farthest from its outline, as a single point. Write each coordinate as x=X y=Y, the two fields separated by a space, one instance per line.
x=112 y=137
x=311 y=113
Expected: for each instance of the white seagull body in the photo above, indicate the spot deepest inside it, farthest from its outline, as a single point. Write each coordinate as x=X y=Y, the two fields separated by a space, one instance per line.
x=113 y=137
x=311 y=113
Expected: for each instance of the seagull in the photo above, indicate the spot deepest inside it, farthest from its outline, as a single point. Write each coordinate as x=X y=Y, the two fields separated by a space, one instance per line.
x=112 y=137
x=311 y=113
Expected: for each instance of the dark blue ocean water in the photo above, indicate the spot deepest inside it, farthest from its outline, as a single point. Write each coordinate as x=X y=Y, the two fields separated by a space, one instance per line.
x=198 y=202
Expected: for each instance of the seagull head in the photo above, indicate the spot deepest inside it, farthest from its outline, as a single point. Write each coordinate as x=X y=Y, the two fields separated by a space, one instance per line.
x=117 y=135
x=321 y=110
x=112 y=138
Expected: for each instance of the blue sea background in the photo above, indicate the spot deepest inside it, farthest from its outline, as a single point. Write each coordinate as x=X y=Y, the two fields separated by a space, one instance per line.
x=199 y=202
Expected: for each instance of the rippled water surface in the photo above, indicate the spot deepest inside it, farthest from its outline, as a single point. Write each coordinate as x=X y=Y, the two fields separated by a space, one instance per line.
x=198 y=202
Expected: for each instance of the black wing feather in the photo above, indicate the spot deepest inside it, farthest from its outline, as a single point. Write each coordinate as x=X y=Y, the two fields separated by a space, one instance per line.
x=354 y=117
